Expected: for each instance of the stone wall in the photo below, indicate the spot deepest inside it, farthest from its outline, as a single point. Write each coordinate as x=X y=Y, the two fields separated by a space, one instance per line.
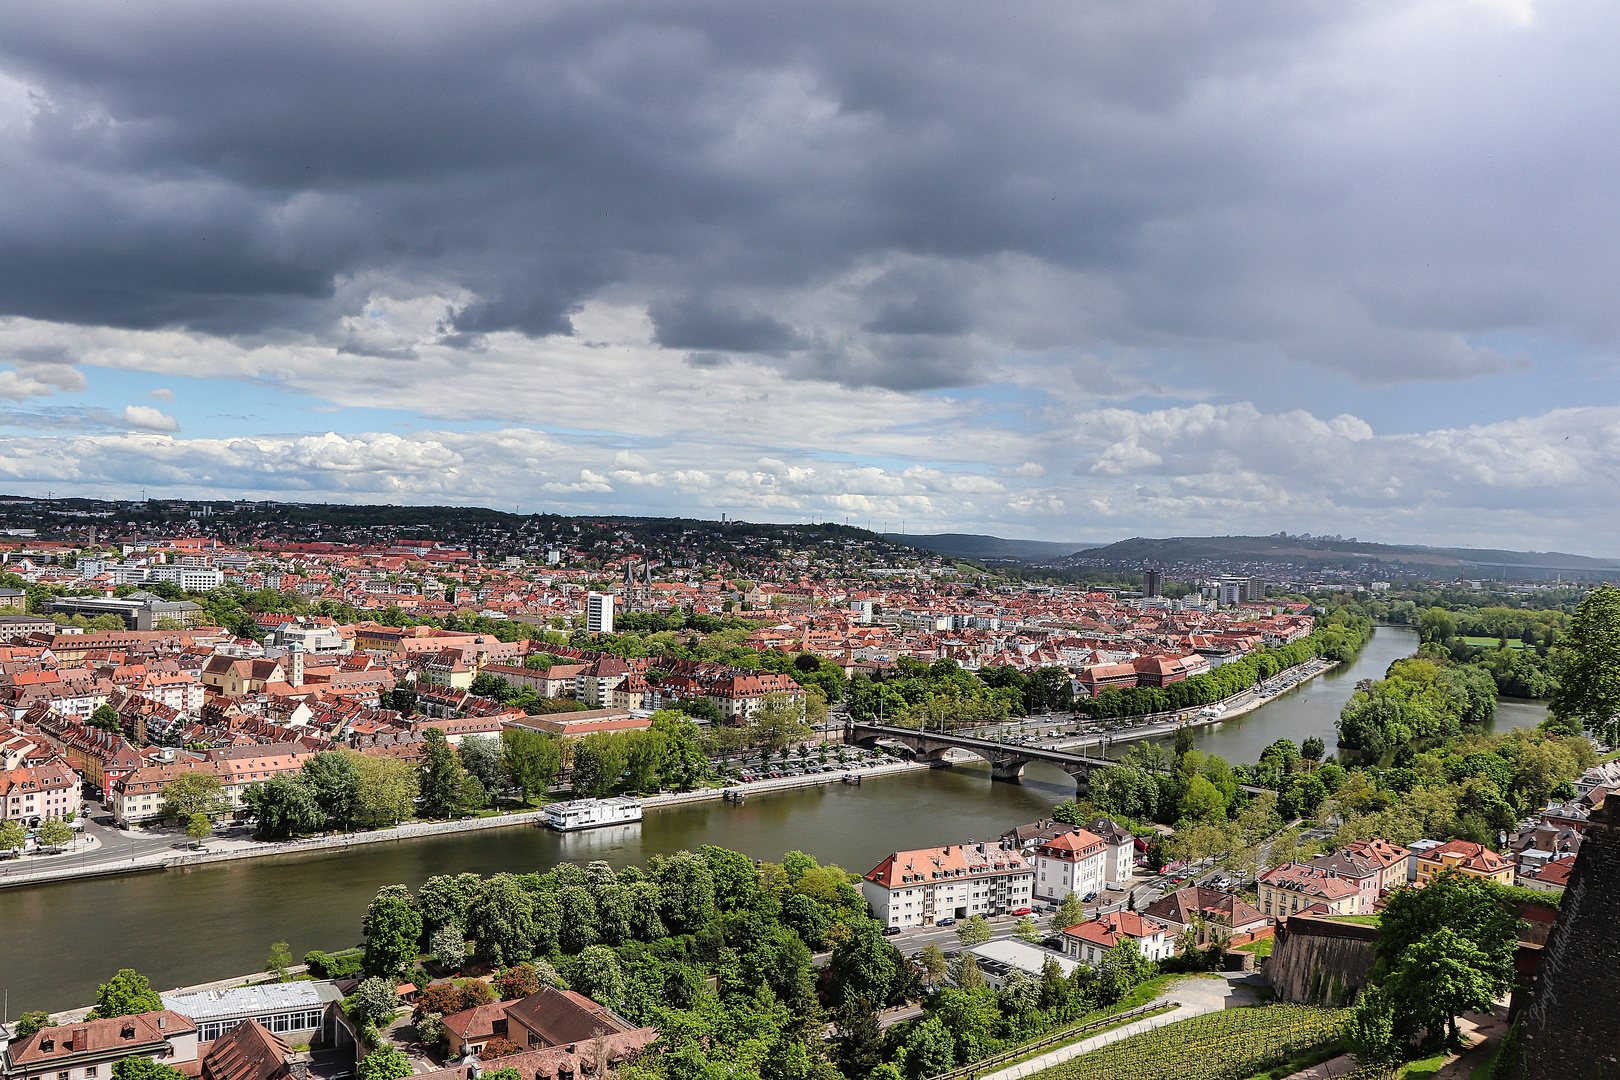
x=1572 y=1027
x=1318 y=961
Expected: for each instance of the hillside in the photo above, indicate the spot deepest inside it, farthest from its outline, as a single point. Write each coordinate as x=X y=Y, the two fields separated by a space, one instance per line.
x=981 y=547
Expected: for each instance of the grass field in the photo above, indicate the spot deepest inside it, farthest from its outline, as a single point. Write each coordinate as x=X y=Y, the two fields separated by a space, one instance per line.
x=1261 y=948
x=1364 y=920
x=1491 y=643
x=1230 y=1045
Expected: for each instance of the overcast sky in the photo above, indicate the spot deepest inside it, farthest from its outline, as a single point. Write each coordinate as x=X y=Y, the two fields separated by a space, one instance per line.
x=1057 y=269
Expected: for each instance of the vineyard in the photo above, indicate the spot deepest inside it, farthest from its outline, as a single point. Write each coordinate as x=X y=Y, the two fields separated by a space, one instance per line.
x=1226 y=1045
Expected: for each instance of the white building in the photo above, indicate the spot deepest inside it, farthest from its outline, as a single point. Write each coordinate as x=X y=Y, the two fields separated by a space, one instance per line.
x=1075 y=862
x=1090 y=942
x=998 y=959
x=599 y=613
x=189 y=578
x=918 y=888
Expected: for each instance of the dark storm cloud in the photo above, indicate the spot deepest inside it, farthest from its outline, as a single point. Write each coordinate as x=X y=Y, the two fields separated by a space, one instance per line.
x=1207 y=169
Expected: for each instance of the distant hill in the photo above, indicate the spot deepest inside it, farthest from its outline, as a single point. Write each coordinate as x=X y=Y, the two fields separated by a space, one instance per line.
x=977 y=546
x=1319 y=553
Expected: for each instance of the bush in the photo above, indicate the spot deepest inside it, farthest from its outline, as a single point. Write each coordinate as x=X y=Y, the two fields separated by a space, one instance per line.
x=344 y=965
x=498 y=1048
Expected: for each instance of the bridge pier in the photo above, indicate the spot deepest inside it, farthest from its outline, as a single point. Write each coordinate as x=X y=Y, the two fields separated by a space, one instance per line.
x=1008 y=770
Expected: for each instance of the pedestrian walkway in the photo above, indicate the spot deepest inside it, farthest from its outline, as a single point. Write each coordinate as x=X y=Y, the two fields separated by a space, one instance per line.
x=1197 y=995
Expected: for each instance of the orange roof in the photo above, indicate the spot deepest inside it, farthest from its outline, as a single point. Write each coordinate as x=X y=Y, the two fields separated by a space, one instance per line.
x=1110 y=929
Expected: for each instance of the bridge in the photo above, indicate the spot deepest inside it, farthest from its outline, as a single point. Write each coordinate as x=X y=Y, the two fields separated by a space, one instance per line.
x=1007 y=760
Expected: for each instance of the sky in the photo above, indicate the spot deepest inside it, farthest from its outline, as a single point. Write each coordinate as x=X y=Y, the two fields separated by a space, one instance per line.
x=1072 y=270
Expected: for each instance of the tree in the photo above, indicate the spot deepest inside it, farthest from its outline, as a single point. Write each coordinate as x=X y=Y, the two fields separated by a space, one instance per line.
x=858 y=1036
x=1202 y=801
x=597 y=973
x=137 y=1067
x=529 y=760
x=449 y=946
x=518 y=981
x=1026 y=930
x=864 y=963
x=974 y=930
x=388 y=1063
x=374 y=1001
x=440 y=776
x=599 y=762
x=387 y=788
x=930 y=1050
x=55 y=832
x=125 y=994
x=284 y=804
x=1370 y=1030
x=686 y=891
x=481 y=757
x=1441 y=977
x=30 y=1022
x=502 y=920
x=334 y=781
x=1070 y=912
x=12 y=835
x=1312 y=749
x=778 y=721
x=932 y=964
x=194 y=792
x=279 y=961
x=1588 y=693
x=106 y=718
x=199 y=827
x=392 y=928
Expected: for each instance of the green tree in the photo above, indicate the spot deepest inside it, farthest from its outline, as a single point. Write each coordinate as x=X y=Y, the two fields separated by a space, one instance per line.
x=858 y=1036
x=284 y=805
x=502 y=920
x=194 y=792
x=481 y=756
x=392 y=927
x=932 y=965
x=55 y=832
x=449 y=946
x=1070 y=912
x=375 y=1001
x=1370 y=1030
x=529 y=760
x=199 y=827
x=334 y=781
x=1202 y=801
x=686 y=891
x=12 y=835
x=1312 y=749
x=125 y=994
x=106 y=718
x=279 y=961
x=137 y=1067
x=864 y=963
x=386 y=793
x=1588 y=693
x=974 y=930
x=387 y=1063
x=440 y=777
x=1026 y=930
x=30 y=1022
x=597 y=973
x=930 y=1050
x=1441 y=977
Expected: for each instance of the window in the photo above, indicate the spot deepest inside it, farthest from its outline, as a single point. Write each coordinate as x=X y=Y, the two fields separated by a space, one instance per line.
x=90 y=1071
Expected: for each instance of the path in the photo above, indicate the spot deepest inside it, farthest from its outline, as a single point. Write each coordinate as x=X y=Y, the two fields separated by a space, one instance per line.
x=1197 y=995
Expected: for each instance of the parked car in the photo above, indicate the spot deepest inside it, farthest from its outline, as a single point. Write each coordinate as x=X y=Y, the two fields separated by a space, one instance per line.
x=946 y=921
x=1022 y=911
x=890 y=931
x=1089 y=897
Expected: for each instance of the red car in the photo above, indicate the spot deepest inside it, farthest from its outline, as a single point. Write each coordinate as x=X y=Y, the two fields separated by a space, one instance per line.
x=1022 y=911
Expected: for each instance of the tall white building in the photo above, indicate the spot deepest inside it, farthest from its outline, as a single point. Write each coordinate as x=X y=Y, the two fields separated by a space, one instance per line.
x=1072 y=863
x=599 y=613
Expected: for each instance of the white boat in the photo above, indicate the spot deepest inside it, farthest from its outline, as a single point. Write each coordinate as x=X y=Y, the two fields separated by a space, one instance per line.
x=593 y=813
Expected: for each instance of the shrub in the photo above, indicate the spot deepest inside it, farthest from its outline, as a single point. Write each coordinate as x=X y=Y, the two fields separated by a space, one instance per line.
x=498 y=1048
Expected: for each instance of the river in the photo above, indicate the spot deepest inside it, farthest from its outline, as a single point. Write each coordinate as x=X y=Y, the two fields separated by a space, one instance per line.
x=179 y=927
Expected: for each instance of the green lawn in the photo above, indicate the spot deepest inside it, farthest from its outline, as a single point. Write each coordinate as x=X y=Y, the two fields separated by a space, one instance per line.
x=1261 y=949
x=1424 y=1068
x=1491 y=643
x=1364 y=920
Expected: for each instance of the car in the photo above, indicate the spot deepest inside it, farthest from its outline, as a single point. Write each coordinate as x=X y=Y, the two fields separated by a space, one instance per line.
x=1023 y=911
x=1089 y=897
x=890 y=931
x=946 y=921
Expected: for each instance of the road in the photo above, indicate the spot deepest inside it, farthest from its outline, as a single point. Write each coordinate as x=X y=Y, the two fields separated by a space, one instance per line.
x=115 y=846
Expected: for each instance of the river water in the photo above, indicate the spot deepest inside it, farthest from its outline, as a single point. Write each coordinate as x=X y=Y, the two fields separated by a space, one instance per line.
x=179 y=927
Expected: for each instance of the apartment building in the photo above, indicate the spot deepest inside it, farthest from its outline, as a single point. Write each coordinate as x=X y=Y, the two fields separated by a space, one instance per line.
x=920 y=887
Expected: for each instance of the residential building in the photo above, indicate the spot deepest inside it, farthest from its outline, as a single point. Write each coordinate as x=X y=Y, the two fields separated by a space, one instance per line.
x=584 y=722
x=236 y=676
x=1119 y=846
x=917 y=888
x=297 y=1011
x=1070 y=863
x=599 y=613
x=1294 y=886
x=1364 y=874
x=1391 y=859
x=1211 y=914
x=596 y=680
x=249 y=1052
x=88 y=1049
x=34 y=795
x=1466 y=856
x=1090 y=942
x=549 y=1018
x=1552 y=877
x=13 y=599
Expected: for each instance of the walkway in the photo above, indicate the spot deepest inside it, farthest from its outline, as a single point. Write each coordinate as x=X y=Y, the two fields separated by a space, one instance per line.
x=1198 y=995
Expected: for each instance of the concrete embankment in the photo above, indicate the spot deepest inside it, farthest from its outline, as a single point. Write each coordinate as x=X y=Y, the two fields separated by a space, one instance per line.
x=413 y=831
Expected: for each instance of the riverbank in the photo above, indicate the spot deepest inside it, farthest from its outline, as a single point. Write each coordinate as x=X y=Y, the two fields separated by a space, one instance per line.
x=233 y=850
